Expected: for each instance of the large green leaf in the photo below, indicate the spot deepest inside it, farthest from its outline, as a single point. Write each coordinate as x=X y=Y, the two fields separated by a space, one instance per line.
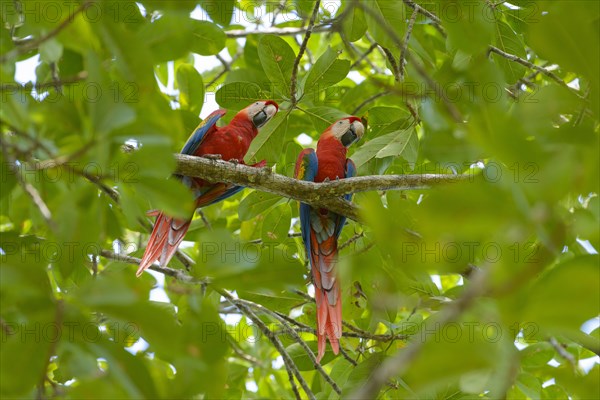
x=256 y=203
x=238 y=95
x=354 y=25
x=386 y=21
x=508 y=41
x=576 y=280
x=206 y=38
x=277 y=59
x=219 y=11
x=267 y=144
x=276 y=224
x=191 y=88
x=400 y=142
x=327 y=71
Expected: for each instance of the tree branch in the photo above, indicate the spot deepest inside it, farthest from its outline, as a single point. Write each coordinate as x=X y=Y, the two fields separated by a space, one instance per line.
x=240 y=33
x=174 y=273
x=309 y=30
x=324 y=195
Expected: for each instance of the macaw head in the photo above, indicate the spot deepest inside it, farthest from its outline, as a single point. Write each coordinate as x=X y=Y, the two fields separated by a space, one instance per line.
x=347 y=130
x=261 y=112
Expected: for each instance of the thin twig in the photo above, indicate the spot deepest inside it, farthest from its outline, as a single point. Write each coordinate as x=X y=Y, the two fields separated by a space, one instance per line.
x=563 y=352
x=369 y=100
x=549 y=74
x=290 y=235
x=409 y=29
x=174 y=273
x=395 y=68
x=353 y=239
x=364 y=56
x=226 y=68
x=307 y=34
x=437 y=23
x=27 y=187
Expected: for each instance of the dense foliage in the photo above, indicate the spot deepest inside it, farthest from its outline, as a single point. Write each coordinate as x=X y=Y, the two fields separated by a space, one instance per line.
x=506 y=93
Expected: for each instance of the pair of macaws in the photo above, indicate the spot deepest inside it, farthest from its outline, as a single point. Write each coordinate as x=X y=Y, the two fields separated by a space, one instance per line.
x=320 y=227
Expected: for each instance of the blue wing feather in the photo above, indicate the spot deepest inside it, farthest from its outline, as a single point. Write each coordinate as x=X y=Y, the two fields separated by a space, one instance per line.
x=306 y=170
x=200 y=132
x=350 y=172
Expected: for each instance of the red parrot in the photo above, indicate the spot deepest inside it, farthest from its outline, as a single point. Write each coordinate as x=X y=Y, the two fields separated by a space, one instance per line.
x=321 y=228
x=232 y=143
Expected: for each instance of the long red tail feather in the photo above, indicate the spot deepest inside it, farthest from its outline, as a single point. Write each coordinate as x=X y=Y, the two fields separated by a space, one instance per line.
x=166 y=236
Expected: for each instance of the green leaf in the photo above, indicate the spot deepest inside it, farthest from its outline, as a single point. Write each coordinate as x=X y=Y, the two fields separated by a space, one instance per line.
x=277 y=59
x=469 y=29
x=237 y=95
x=327 y=71
x=269 y=141
x=28 y=307
x=397 y=143
x=354 y=25
x=302 y=360
x=167 y=195
x=508 y=41
x=322 y=117
x=379 y=118
x=276 y=224
x=219 y=11
x=207 y=38
x=278 y=302
x=362 y=372
x=167 y=37
x=576 y=281
x=568 y=41
x=537 y=355
x=51 y=51
x=247 y=266
x=393 y=14
x=191 y=88
x=256 y=203
x=529 y=385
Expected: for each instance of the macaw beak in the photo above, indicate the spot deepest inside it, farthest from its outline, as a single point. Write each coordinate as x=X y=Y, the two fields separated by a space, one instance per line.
x=263 y=116
x=353 y=133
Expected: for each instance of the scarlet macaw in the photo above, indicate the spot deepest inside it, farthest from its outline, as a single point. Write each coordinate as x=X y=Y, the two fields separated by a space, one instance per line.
x=321 y=228
x=231 y=142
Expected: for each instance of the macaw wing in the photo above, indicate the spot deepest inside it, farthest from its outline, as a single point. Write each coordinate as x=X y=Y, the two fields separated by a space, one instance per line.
x=350 y=172
x=216 y=193
x=307 y=165
x=205 y=128
x=206 y=193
